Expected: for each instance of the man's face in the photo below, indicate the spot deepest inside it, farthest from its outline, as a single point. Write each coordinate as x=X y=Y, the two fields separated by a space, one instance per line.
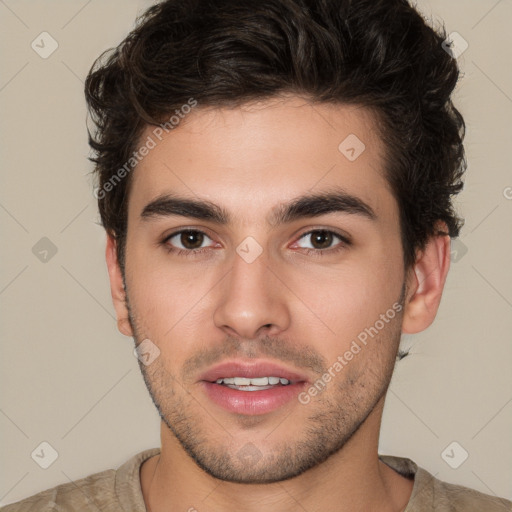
x=265 y=295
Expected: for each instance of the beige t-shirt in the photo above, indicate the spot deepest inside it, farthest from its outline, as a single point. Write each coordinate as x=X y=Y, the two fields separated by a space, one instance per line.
x=119 y=490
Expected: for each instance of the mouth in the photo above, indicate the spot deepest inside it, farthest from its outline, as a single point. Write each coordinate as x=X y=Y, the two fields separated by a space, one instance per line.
x=252 y=387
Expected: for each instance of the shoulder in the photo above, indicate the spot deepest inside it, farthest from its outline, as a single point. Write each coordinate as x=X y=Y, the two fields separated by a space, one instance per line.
x=454 y=498
x=92 y=492
x=107 y=491
x=432 y=494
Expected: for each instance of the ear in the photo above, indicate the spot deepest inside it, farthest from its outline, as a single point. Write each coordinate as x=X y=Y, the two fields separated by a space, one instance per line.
x=117 y=287
x=426 y=281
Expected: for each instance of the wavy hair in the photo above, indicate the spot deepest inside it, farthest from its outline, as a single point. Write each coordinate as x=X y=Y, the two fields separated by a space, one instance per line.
x=381 y=54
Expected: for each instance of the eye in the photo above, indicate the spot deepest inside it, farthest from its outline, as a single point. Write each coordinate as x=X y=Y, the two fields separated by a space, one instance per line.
x=322 y=240
x=186 y=241
x=190 y=242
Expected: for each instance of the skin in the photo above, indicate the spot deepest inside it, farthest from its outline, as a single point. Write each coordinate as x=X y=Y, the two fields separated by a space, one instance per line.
x=287 y=306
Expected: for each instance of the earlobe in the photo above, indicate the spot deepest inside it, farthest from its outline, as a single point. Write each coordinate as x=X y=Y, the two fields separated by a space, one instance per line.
x=425 y=284
x=117 y=287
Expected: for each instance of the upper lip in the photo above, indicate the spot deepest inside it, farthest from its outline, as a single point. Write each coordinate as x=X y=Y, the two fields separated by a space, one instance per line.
x=251 y=369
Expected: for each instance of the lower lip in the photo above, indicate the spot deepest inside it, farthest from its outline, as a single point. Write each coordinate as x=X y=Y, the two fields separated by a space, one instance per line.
x=252 y=402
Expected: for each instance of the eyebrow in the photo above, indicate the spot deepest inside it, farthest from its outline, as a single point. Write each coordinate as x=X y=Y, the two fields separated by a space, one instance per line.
x=305 y=206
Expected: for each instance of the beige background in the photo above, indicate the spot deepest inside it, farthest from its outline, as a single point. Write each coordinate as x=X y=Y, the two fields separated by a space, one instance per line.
x=70 y=379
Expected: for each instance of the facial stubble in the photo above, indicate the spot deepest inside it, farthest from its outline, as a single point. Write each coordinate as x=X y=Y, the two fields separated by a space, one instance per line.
x=332 y=418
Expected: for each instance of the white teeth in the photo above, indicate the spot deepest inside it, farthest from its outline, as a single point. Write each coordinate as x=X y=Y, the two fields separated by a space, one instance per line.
x=257 y=381
x=242 y=381
x=249 y=388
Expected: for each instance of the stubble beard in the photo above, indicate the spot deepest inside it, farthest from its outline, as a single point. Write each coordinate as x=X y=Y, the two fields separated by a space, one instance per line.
x=336 y=415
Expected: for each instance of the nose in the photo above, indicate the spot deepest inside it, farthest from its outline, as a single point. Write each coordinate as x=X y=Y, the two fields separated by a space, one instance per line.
x=253 y=300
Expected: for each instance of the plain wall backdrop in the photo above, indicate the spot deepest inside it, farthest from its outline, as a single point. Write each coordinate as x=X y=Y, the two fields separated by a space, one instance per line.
x=71 y=380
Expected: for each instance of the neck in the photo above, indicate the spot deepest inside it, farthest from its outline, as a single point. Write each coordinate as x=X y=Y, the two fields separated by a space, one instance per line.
x=353 y=479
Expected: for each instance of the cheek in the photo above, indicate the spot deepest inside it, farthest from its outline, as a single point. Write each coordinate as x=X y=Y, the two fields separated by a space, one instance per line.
x=343 y=303
x=166 y=300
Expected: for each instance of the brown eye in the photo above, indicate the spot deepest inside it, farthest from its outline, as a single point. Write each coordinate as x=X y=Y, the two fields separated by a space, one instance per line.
x=321 y=239
x=187 y=240
x=191 y=239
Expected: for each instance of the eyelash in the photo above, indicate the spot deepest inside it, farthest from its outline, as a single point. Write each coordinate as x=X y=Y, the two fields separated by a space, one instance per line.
x=345 y=242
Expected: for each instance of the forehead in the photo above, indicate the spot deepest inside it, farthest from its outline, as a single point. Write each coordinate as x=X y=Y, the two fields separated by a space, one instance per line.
x=251 y=158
